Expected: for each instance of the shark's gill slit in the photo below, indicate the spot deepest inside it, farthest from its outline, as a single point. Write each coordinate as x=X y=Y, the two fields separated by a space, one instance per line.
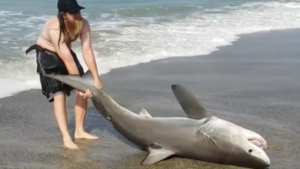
x=155 y=146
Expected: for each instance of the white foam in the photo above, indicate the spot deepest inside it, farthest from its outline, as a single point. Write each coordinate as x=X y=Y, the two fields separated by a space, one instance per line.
x=10 y=87
x=199 y=34
x=126 y=41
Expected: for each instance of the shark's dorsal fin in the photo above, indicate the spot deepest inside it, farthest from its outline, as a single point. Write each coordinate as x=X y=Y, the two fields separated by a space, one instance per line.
x=156 y=155
x=145 y=113
x=189 y=103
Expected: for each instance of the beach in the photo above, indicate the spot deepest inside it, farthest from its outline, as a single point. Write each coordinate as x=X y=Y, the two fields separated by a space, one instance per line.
x=254 y=82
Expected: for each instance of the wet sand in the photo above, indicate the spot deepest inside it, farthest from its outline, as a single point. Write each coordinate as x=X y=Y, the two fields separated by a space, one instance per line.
x=254 y=83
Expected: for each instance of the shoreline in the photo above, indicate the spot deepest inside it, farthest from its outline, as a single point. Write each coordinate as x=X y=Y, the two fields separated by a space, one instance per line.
x=135 y=64
x=252 y=82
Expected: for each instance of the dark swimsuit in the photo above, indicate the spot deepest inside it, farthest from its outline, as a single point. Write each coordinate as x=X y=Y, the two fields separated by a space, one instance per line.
x=49 y=62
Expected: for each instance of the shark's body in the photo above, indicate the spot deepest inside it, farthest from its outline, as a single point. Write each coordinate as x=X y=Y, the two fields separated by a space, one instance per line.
x=201 y=136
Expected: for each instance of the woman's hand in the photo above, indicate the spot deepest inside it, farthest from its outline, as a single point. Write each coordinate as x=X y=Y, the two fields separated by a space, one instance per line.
x=98 y=84
x=87 y=94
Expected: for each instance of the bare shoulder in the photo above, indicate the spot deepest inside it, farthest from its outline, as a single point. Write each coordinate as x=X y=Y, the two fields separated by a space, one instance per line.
x=52 y=30
x=86 y=25
x=53 y=27
x=52 y=24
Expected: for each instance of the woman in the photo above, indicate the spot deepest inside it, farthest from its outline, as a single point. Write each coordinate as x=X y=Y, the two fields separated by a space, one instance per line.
x=54 y=55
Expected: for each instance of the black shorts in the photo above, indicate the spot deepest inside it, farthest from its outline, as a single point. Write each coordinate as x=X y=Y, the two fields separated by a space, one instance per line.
x=51 y=87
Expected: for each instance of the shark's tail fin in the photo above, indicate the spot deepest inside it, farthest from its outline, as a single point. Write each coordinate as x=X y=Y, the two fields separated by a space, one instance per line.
x=81 y=83
x=189 y=103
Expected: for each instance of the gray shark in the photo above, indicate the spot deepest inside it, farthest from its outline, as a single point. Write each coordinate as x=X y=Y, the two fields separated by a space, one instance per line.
x=199 y=136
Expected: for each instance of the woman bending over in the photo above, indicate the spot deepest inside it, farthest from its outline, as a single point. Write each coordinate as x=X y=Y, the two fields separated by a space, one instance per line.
x=55 y=56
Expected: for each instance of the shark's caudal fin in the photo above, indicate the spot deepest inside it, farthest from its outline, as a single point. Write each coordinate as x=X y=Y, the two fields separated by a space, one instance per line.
x=156 y=155
x=188 y=101
x=81 y=83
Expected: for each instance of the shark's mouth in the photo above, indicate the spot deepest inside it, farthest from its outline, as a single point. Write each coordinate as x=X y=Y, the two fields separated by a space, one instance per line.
x=258 y=141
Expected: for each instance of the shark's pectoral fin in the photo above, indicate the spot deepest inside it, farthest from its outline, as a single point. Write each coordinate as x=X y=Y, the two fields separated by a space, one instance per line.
x=156 y=155
x=145 y=113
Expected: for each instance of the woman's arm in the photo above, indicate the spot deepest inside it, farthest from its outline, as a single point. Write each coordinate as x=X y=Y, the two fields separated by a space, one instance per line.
x=87 y=50
x=63 y=51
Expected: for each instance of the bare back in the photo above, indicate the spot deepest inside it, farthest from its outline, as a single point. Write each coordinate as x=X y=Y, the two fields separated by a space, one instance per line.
x=44 y=40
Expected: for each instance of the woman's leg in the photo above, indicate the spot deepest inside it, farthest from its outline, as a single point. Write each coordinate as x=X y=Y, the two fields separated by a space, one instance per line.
x=80 y=109
x=62 y=119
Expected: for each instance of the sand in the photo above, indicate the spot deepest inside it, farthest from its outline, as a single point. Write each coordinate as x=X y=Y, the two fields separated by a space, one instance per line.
x=254 y=83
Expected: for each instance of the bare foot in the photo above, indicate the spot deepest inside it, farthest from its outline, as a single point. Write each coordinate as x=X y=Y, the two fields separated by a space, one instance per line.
x=69 y=144
x=85 y=135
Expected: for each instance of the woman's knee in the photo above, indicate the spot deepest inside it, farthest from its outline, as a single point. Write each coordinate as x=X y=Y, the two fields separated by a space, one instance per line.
x=59 y=97
x=59 y=101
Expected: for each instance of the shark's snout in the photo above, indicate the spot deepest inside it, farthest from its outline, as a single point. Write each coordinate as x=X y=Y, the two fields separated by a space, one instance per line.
x=263 y=159
x=258 y=157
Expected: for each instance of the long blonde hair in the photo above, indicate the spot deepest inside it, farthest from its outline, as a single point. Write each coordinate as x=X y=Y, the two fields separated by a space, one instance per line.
x=78 y=26
x=62 y=25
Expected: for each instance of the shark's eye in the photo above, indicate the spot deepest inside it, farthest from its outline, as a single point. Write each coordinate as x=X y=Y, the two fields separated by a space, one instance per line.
x=250 y=151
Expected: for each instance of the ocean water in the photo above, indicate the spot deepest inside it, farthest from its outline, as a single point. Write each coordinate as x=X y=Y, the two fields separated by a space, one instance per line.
x=129 y=32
